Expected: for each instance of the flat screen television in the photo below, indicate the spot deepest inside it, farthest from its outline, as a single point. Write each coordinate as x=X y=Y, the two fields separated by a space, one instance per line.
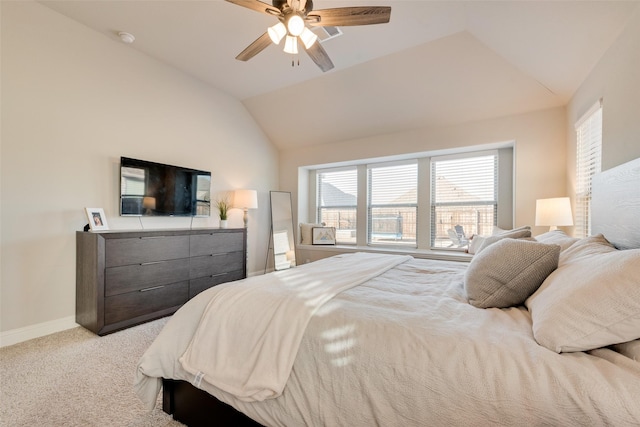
x=156 y=189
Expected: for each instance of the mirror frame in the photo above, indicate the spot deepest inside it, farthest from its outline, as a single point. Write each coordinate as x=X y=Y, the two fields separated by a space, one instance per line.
x=282 y=231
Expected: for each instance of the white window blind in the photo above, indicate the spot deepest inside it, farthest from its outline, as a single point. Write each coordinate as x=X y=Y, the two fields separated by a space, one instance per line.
x=463 y=198
x=338 y=201
x=392 y=203
x=133 y=181
x=588 y=163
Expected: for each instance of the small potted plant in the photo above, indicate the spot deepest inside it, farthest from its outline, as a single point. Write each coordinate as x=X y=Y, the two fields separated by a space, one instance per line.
x=223 y=205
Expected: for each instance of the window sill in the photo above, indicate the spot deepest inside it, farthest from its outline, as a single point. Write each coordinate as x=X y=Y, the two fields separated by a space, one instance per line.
x=416 y=253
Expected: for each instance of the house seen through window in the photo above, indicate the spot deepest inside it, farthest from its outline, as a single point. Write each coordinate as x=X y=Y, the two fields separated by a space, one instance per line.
x=338 y=201
x=464 y=199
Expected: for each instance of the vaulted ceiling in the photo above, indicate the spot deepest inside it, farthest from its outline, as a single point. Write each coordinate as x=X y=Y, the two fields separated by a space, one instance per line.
x=435 y=63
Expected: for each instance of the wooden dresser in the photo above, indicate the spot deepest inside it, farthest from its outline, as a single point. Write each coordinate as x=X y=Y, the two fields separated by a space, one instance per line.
x=124 y=278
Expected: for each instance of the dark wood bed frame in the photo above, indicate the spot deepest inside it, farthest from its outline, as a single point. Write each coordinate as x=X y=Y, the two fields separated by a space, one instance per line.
x=615 y=213
x=197 y=408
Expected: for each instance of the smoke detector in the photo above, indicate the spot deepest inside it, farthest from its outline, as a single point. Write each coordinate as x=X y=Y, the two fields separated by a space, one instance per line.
x=126 y=37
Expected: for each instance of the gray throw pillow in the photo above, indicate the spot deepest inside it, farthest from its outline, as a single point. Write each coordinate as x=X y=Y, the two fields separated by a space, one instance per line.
x=506 y=273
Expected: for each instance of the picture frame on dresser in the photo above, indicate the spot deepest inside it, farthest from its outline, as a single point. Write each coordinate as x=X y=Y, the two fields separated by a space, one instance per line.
x=97 y=219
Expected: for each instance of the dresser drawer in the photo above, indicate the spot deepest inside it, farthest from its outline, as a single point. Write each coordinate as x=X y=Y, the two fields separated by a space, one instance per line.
x=198 y=285
x=202 y=266
x=215 y=243
x=133 y=304
x=139 y=250
x=124 y=278
x=128 y=278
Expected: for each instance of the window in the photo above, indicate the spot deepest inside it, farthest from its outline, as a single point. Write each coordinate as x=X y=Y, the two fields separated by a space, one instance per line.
x=418 y=202
x=392 y=206
x=464 y=199
x=588 y=163
x=338 y=201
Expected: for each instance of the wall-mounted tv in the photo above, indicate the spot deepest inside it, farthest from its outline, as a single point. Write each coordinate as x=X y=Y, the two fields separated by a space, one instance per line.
x=156 y=189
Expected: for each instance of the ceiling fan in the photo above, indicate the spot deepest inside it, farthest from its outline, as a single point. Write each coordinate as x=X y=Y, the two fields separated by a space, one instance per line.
x=294 y=18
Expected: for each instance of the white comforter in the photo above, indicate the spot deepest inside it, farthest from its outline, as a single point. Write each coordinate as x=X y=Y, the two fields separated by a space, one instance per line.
x=405 y=348
x=272 y=311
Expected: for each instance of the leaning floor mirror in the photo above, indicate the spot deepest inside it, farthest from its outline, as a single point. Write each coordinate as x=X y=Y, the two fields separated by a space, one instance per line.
x=283 y=241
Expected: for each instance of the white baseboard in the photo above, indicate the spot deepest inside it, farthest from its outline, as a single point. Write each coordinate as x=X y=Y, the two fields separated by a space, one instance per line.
x=19 y=335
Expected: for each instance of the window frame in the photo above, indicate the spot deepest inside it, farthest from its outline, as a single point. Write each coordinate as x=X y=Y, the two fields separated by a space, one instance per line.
x=370 y=206
x=318 y=196
x=506 y=197
x=588 y=163
x=434 y=204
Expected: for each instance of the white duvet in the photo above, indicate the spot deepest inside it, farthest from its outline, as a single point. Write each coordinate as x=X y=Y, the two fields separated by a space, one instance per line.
x=272 y=311
x=405 y=348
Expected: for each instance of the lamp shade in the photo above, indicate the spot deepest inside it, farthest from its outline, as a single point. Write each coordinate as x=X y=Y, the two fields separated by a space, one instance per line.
x=277 y=32
x=245 y=199
x=554 y=212
x=149 y=202
x=291 y=45
x=308 y=38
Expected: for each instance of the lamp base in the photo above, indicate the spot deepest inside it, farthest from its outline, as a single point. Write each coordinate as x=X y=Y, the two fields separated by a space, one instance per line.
x=246 y=217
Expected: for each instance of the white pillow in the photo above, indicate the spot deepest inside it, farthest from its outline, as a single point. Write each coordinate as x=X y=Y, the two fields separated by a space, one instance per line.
x=475 y=244
x=497 y=230
x=507 y=272
x=557 y=237
x=587 y=247
x=630 y=349
x=305 y=232
x=592 y=300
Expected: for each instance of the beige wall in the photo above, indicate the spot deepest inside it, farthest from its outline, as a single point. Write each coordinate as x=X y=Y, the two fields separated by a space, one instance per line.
x=73 y=102
x=539 y=154
x=544 y=168
x=615 y=79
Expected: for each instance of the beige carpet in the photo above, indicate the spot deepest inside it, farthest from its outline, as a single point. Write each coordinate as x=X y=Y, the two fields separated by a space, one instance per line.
x=75 y=378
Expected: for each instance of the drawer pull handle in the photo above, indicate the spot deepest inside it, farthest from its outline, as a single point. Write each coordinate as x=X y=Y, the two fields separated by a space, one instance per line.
x=151 y=237
x=225 y=253
x=152 y=262
x=218 y=275
x=152 y=289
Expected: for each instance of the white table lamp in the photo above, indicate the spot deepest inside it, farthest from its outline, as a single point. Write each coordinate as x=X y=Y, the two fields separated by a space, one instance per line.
x=245 y=200
x=554 y=212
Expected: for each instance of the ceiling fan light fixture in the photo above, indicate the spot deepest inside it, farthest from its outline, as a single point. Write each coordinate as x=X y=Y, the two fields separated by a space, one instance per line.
x=277 y=32
x=308 y=37
x=291 y=45
x=295 y=24
x=296 y=15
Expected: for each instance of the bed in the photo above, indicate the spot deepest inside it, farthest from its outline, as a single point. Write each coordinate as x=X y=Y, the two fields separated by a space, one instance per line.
x=542 y=331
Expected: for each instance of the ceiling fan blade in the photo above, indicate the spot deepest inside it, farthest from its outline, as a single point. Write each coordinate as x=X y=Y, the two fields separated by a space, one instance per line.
x=317 y=53
x=257 y=5
x=346 y=16
x=255 y=48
